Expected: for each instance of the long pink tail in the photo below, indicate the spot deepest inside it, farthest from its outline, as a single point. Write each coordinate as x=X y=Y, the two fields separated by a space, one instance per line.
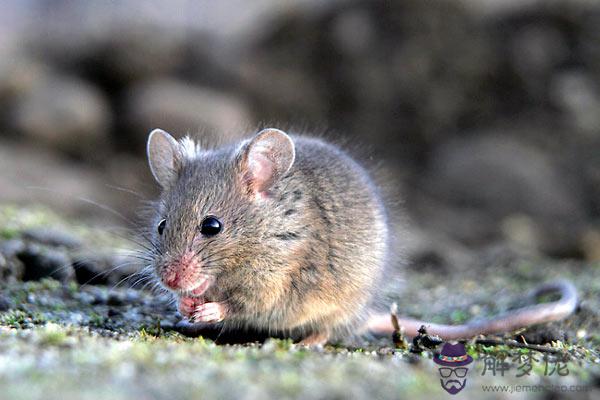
x=506 y=322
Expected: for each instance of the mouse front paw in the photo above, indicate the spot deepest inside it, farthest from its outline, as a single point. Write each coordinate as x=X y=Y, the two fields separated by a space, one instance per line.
x=187 y=305
x=210 y=312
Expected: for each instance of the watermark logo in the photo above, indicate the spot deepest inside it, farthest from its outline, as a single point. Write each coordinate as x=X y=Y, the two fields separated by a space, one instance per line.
x=453 y=361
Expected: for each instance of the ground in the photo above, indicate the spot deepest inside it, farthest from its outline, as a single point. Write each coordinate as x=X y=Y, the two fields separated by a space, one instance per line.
x=63 y=338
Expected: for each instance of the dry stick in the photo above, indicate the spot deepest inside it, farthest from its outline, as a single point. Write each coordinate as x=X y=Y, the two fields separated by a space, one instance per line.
x=514 y=343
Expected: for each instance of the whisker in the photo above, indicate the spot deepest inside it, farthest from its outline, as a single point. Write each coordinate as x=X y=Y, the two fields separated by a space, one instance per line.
x=88 y=201
x=108 y=272
x=122 y=189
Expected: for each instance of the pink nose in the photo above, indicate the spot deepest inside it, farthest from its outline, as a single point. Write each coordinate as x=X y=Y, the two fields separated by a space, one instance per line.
x=179 y=273
x=172 y=280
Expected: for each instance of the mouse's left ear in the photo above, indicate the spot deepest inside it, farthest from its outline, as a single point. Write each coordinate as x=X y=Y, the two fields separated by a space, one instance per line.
x=266 y=158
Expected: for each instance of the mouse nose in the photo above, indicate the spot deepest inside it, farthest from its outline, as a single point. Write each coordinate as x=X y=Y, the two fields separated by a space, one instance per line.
x=172 y=280
x=181 y=272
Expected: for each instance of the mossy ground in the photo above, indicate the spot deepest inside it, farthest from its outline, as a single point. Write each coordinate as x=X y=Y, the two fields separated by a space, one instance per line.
x=70 y=341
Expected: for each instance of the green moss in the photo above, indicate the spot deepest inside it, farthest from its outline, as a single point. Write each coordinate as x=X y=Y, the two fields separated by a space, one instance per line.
x=96 y=320
x=459 y=316
x=13 y=318
x=46 y=284
x=9 y=233
x=72 y=288
x=53 y=335
x=66 y=327
x=16 y=219
x=19 y=319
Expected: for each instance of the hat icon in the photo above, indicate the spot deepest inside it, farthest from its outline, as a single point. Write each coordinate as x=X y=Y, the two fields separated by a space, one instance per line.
x=453 y=355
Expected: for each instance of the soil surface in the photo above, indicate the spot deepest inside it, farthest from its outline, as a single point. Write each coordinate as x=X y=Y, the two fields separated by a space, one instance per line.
x=74 y=326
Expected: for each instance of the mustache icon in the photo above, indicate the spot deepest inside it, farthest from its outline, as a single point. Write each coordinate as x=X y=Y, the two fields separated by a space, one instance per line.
x=453 y=383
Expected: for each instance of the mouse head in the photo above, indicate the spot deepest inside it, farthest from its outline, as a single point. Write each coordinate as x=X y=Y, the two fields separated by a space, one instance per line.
x=212 y=223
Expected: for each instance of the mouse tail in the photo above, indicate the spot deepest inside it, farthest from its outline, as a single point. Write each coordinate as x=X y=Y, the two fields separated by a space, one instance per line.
x=506 y=322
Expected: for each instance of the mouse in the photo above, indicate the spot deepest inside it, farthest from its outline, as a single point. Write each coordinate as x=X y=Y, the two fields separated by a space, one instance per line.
x=285 y=234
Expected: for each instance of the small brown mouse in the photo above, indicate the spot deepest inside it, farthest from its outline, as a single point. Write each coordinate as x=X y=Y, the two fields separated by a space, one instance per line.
x=283 y=234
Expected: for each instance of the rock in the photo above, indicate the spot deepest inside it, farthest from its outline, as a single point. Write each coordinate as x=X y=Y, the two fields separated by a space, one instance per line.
x=52 y=237
x=99 y=295
x=10 y=248
x=88 y=272
x=10 y=266
x=50 y=180
x=542 y=335
x=113 y=312
x=99 y=40
x=181 y=108
x=64 y=113
x=5 y=303
x=19 y=74
x=578 y=97
x=501 y=177
x=167 y=325
x=41 y=262
x=116 y=299
x=7 y=269
x=104 y=269
x=536 y=51
x=132 y=296
x=431 y=251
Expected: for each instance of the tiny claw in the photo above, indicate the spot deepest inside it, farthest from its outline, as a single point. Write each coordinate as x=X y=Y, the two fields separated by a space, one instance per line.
x=210 y=312
x=188 y=305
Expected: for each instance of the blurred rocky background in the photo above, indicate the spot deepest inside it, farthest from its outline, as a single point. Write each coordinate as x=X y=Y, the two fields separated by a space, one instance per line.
x=484 y=116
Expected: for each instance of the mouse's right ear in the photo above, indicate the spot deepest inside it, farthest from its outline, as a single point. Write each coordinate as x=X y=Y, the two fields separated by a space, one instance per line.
x=265 y=159
x=164 y=157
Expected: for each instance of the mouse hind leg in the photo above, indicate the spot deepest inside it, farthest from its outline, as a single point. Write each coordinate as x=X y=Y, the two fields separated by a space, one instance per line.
x=315 y=339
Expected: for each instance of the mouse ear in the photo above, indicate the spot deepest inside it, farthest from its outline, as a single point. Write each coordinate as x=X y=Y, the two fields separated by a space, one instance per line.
x=266 y=158
x=164 y=153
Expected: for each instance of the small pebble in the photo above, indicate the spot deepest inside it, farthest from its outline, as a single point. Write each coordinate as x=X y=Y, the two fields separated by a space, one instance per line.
x=5 y=303
x=167 y=325
x=10 y=248
x=116 y=299
x=112 y=312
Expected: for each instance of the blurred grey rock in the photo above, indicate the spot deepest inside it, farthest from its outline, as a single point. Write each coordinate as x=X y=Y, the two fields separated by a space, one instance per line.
x=578 y=96
x=102 y=42
x=10 y=266
x=48 y=179
x=52 y=237
x=6 y=303
x=181 y=108
x=66 y=114
x=10 y=248
x=41 y=262
x=19 y=73
x=432 y=250
x=104 y=269
x=536 y=51
x=402 y=74
x=501 y=177
x=88 y=272
x=116 y=299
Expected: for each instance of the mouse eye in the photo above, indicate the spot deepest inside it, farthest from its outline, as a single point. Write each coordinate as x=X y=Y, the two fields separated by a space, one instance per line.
x=161 y=226
x=210 y=226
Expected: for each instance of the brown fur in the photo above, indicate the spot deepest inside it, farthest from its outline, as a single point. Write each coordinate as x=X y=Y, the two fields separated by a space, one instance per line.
x=302 y=258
